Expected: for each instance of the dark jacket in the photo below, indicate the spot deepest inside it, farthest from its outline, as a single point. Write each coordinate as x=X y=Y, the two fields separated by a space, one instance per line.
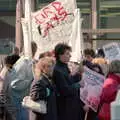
x=43 y=89
x=68 y=99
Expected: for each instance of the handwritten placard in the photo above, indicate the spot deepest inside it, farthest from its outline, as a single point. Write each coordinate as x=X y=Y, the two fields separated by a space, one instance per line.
x=112 y=51
x=91 y=91
x=53 y=24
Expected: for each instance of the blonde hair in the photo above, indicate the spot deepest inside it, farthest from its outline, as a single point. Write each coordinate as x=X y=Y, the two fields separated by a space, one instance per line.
x=41 y=65
x=99 y=61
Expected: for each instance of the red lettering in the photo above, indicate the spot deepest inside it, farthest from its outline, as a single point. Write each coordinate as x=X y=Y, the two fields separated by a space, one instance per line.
x=54 y=12
x=55 y=18
x=38 y=21
x=57 y=5
x=48 y=26
x=48 y=12
x=43 y=15
x=61 y=12
x=39 y=18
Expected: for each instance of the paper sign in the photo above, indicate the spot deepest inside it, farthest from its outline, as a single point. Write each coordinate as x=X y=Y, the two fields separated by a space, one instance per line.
x=112 y=51
x=91 y=91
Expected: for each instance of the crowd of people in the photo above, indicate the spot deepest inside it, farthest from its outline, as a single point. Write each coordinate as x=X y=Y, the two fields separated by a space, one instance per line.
x=51 y=79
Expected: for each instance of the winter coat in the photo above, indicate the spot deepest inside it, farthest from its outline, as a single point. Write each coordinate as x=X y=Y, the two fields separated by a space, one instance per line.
x=7 y=109
x=68 y=98
x=109 y=92
x=20 y=79
x=43 y=89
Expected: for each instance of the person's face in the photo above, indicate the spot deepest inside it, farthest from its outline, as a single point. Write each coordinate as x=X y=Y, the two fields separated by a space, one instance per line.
x=49 y=69
x=88 y=57
x=65 y=57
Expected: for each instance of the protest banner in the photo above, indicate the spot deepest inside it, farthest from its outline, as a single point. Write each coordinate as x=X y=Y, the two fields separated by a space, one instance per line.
x=26 y=38
x=112 y=51
x=27 y=29
x=91 y=91
x=53 y=24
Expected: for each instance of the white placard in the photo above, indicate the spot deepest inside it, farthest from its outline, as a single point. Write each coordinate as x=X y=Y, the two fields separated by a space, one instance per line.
x=112 y=51
x=53 y=24
x=91 y=91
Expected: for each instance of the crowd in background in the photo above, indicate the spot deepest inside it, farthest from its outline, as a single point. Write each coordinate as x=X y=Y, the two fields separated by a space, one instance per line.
x=50 y=78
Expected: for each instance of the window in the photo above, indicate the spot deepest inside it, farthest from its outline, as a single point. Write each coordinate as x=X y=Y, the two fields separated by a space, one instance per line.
x=7 y=5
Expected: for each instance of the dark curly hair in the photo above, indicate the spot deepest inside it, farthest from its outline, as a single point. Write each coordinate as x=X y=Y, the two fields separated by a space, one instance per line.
x=60 y=49
x=11 y=59
x=89 y=52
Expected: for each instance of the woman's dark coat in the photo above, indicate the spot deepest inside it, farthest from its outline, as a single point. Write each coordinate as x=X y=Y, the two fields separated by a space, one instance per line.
x=44 y=90
x=68 y=98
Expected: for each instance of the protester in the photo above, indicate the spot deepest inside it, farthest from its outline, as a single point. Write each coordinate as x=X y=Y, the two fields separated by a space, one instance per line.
x=100 y=59
x=43 y=89
x=9 y=61
x=88 y=61
x=6 y=109
x=89 y=54
x=42 y=55
x=49 y=54
x=21 y=77
x=91 y=115
x=68 y=98
x=110 y=89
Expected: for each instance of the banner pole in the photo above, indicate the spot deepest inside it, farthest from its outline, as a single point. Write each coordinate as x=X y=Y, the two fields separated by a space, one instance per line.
x=27 y=42
x=86 y=115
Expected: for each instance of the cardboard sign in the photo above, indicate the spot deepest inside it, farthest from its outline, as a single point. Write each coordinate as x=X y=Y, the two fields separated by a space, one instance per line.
x=112 y=51
x=56 y=23
x=91 y=91
x=53 y=24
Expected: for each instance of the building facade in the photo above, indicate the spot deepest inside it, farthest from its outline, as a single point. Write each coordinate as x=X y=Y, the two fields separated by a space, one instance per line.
x=100 y=22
